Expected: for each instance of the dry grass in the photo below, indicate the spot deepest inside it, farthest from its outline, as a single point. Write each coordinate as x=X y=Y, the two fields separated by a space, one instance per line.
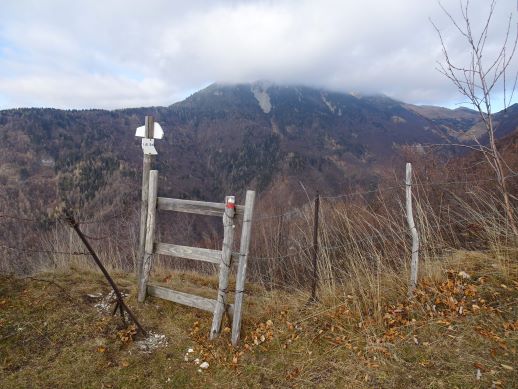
x=53 y=336
x=458 y=331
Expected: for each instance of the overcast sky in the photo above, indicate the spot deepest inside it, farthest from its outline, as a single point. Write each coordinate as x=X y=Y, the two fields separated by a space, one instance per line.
x=126 y=53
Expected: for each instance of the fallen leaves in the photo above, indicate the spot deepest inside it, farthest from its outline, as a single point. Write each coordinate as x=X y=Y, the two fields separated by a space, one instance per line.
x=262 y=333
x=511 y=325
x=195 y=328
x=292 y=374
x=491 y=335
x=479 y=366
x=127 y=335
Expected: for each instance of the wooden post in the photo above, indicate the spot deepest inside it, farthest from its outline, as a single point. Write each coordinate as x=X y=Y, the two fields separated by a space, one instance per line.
x=315 y=249
x=224 y=266
x=241 y=270
x=148 y=160
x=415 y=237
x=150 y=235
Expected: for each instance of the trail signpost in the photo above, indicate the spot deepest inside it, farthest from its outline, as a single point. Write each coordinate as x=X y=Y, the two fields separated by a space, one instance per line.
x=225 y=257
x=148 y=132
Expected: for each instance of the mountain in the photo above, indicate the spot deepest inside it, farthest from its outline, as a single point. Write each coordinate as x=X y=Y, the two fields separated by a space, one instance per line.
x=221 y=140
x=464 y=124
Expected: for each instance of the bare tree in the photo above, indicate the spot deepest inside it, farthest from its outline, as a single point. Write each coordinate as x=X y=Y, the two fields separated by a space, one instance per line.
x=478 y=79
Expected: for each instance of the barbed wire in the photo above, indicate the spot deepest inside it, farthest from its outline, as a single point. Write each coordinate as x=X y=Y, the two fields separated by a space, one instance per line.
x=60 y=219
x=465 y=182
x=354 y=242
x=103 y=220
x=25 y=250
x=25 y=219
x=298 y=211
x=360 y=193
x=302 y=250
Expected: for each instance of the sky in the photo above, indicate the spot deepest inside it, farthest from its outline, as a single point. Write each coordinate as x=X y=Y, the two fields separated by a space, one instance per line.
x=126 y=53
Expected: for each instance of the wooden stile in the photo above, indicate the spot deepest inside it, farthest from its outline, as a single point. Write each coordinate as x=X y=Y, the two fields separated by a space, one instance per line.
x=228 y=211
x=243 y=259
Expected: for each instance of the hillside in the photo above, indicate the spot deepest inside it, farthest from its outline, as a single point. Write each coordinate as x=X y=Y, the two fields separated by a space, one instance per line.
x=285 y=142
x=460 y=331
x=221 y=140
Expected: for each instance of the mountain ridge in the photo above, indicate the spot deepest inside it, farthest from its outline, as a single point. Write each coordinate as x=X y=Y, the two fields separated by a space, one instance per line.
x=226 y=138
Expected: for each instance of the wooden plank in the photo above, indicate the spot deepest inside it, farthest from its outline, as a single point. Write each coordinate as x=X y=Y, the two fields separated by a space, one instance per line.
x=196 y=207
x=241 y=270
x=151 y=211
x=150 y=235
x=224 y=268
x=150 y=127
x=146 y=167
x=184 y=298
x=196 y=253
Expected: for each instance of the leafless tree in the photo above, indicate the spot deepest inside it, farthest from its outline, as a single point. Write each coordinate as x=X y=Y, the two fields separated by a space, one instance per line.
x=479 y=77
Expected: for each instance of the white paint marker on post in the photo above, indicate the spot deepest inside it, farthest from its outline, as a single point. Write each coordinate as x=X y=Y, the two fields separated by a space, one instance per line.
x=148 y=132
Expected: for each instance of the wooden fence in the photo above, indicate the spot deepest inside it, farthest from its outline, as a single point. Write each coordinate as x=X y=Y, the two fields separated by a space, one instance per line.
x=229 y=211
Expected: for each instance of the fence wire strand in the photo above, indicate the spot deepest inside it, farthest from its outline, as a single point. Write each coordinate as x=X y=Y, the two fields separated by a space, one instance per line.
x=298 y=212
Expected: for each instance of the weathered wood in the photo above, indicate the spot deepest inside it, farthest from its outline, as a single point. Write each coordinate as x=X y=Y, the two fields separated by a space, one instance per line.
x=196 y=253
x=243 y=259
x=146 y=167
x=150 y=234
x=150 y=127
x=196 y=207
x=185 y=298
x=151 y=211
x=224 y=267
x=415 y=237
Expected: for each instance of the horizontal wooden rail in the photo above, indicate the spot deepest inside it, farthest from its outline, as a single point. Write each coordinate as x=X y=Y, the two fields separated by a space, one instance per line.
x=197 y=207
x=185 y=298
x=196 y=253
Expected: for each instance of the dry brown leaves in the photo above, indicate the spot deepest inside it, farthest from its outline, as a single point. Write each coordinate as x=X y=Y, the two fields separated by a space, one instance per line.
x=511 y=326
x=455 y=297
x=491 y=335
x=447 y=301
x=127 y=335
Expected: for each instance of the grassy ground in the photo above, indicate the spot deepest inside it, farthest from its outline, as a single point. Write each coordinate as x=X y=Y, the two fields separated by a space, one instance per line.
x=461 y=330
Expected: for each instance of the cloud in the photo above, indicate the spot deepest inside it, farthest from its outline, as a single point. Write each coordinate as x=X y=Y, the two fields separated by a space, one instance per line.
x=84 y=91
x=133 y=53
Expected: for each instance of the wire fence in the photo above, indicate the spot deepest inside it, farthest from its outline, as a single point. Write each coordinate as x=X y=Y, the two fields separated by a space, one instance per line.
x=300 y=212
